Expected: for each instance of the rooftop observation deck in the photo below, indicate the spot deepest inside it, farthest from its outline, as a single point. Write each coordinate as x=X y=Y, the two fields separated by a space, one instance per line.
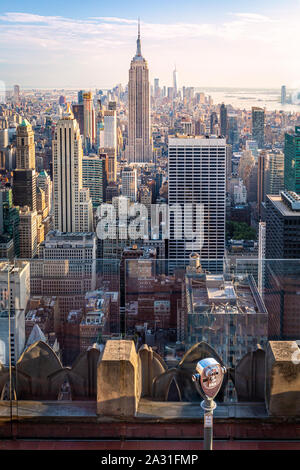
x=125 y=416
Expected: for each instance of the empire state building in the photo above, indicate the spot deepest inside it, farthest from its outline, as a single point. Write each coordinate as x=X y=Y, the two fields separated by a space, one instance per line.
x=139 y=148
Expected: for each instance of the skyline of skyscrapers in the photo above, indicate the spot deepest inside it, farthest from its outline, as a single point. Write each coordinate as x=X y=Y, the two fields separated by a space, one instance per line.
x=144 y=227
x=92 y=164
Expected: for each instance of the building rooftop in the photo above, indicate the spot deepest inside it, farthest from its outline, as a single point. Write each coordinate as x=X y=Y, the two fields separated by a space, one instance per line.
x=74 y=316
x=292 y=199
x=294 y=133
x=15 y=267
x=284 y=204
x=195 y=140
x=222 y=294
x=56 y=235
x=25 y=123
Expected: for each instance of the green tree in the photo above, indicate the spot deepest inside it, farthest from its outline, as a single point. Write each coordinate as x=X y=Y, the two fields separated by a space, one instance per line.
x=240 y=231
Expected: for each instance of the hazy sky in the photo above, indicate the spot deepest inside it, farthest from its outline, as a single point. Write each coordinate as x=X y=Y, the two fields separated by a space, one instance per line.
x=89 y=43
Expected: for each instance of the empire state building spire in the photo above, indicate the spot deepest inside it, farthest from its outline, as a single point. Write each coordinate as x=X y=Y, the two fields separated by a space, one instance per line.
x=138 y=42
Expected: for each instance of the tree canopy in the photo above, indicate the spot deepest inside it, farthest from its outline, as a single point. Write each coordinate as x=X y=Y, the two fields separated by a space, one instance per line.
x=240 y=231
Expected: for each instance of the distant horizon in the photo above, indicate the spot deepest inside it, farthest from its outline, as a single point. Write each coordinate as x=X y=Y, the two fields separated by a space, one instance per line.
x=74 y=88
x=239 y=98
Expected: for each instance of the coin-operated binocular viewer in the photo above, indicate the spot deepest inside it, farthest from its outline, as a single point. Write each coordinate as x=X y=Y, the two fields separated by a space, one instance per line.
x=208 y=379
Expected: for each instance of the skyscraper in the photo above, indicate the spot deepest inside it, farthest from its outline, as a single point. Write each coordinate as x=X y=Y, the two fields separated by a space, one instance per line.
x=283 y=226
x=24 y=188
x=88 y=120
x=197 y=175
x=175 y=82
x=156 y=88
x=99 y=124
x=24 y=177
x=170 y=92
x=261 y=256
x=9 y=219
x=17 y=94
x=258 y=126
x=25 y=146
x=108 y=142
x=92 y=178
x=145 y=197
x=110 y=130
x=233 y=132
x=282 y=277
x=283 y=94
x=262 y=178
x=78 y=114
x=186 y=124
x=214 y=124
x=223 y=120
x=80 y=96
x=44 y=182
x=129 y=183
x=139 y=148
x=28 y=233
x=4 y=139
x=276 y=172
x=200 y=127
x=292 y=161
x=228 y=164
x=72 y=203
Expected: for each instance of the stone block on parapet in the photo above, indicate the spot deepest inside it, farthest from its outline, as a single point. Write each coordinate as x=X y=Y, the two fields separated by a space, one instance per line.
x=283 y=378
x=118 y=379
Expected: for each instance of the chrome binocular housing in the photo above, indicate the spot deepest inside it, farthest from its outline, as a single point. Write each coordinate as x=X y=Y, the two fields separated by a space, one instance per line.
x=209 y=377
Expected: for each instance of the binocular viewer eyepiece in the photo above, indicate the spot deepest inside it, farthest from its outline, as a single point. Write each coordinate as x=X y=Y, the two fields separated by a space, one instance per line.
x=208 y=377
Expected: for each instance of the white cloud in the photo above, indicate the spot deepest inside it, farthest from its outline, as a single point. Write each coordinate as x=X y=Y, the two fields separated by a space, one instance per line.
x=254 y=17
x=113 y=19
x=248 y=47
x=23 y=18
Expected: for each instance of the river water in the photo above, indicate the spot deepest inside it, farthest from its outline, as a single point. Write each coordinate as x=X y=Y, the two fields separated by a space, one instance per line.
x=245 y=98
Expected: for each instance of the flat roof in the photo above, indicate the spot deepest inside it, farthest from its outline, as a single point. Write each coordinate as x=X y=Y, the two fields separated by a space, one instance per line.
x=218 y=294
x=282 y=207
x=196 y=141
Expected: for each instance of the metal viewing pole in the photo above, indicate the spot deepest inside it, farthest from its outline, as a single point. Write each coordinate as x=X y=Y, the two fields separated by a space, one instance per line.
x=208 y=407
x=208 y=380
